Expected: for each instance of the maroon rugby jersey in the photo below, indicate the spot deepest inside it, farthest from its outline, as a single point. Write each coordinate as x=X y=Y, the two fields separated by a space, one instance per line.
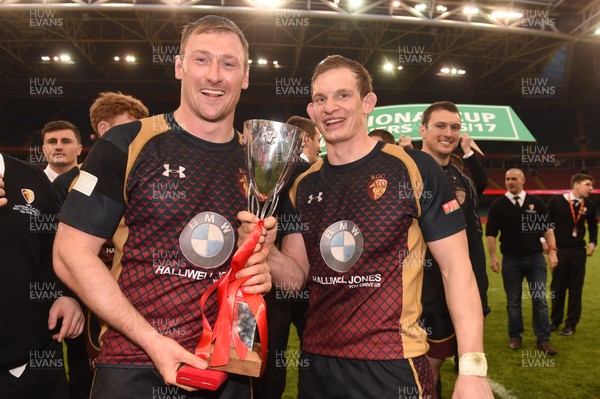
x=365 y=225
x=169 y=200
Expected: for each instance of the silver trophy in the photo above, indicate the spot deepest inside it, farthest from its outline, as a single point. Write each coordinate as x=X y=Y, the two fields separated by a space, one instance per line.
x=272 y=148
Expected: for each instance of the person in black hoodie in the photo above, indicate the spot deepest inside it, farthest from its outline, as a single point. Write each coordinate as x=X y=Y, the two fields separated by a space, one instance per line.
x=32 y=299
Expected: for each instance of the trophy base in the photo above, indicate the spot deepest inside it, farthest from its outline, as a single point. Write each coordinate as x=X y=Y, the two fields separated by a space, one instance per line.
x=204 y=379
x=251 y=366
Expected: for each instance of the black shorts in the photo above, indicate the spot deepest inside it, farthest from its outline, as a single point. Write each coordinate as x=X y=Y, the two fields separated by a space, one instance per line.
x=118 y=382
x=331 y=378
x=438 y=326
x=440 y=335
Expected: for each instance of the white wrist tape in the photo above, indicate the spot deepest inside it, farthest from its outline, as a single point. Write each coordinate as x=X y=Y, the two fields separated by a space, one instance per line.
x=472 y=363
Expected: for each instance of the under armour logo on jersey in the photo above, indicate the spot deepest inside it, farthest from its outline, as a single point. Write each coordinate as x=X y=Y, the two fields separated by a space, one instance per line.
x=178 y=171
x=319 y=197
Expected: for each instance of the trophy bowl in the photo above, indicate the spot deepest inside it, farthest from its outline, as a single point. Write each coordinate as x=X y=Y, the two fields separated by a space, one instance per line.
x=272 y=149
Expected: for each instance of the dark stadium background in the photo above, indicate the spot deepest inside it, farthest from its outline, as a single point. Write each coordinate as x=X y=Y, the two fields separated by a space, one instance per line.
x=496 y=57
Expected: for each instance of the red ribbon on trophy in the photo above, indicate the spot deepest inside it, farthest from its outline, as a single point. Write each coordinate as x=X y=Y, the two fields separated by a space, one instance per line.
x=216 y=343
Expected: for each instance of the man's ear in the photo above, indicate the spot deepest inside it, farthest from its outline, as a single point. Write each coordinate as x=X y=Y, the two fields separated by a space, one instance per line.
x=309 y=110
x=178 y=67
x=246 y=80
x=103 y=126
x=369 y=103
x=422 y=130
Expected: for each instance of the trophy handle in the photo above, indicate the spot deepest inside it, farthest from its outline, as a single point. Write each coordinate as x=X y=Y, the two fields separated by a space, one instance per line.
x=268 y=207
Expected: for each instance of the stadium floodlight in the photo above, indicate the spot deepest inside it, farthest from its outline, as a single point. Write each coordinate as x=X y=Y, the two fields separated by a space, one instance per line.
x=396 y=4
x=388 y=67
x=130 y=58
x=506 y=15
x=471 y=10
x=441 y=8
x=452 y=71
x=64 y=58
x=45 y=58
x=400 y=67
x=598 y=31
x=267 y=3
x=421 y=7
x=117 y=58
x=355 y=3
x=262 y=61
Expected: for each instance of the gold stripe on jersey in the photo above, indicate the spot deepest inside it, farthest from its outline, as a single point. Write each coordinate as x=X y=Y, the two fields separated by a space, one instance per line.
x=313 y=168
x=118 y=239
x=92 y=340
x=151 y=127
x=414 y=338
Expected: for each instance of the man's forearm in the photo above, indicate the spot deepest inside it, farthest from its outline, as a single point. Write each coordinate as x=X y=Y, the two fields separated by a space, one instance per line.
x=465 y=308
x=290 y=266
x=550 y=239
x=462 y=295
x=80 y=268
x=491 y=246
x=286 y=273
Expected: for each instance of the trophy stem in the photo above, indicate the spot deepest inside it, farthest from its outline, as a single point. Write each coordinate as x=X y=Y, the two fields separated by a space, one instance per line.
x=265 y=209
x=253 y=203
x=269 y=206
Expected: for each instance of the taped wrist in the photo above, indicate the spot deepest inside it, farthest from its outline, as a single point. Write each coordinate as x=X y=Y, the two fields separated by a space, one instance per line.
x=472 y=363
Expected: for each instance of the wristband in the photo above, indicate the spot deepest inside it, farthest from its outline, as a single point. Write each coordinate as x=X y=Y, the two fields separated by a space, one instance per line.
x=551 y=248
x=472 y=363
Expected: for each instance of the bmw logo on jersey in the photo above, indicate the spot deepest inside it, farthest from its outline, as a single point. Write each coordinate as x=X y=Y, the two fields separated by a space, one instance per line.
x=341 y=245
x=207 y=240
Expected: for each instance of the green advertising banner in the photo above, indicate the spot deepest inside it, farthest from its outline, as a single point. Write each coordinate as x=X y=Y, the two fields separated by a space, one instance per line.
x=481 y=122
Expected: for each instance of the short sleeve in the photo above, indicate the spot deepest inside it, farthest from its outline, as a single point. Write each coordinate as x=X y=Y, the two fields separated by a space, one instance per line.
x=96 y=203
x=441 y=215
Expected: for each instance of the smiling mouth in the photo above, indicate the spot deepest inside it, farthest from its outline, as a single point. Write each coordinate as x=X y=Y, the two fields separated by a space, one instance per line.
x=333 y=121
x=212 y=92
